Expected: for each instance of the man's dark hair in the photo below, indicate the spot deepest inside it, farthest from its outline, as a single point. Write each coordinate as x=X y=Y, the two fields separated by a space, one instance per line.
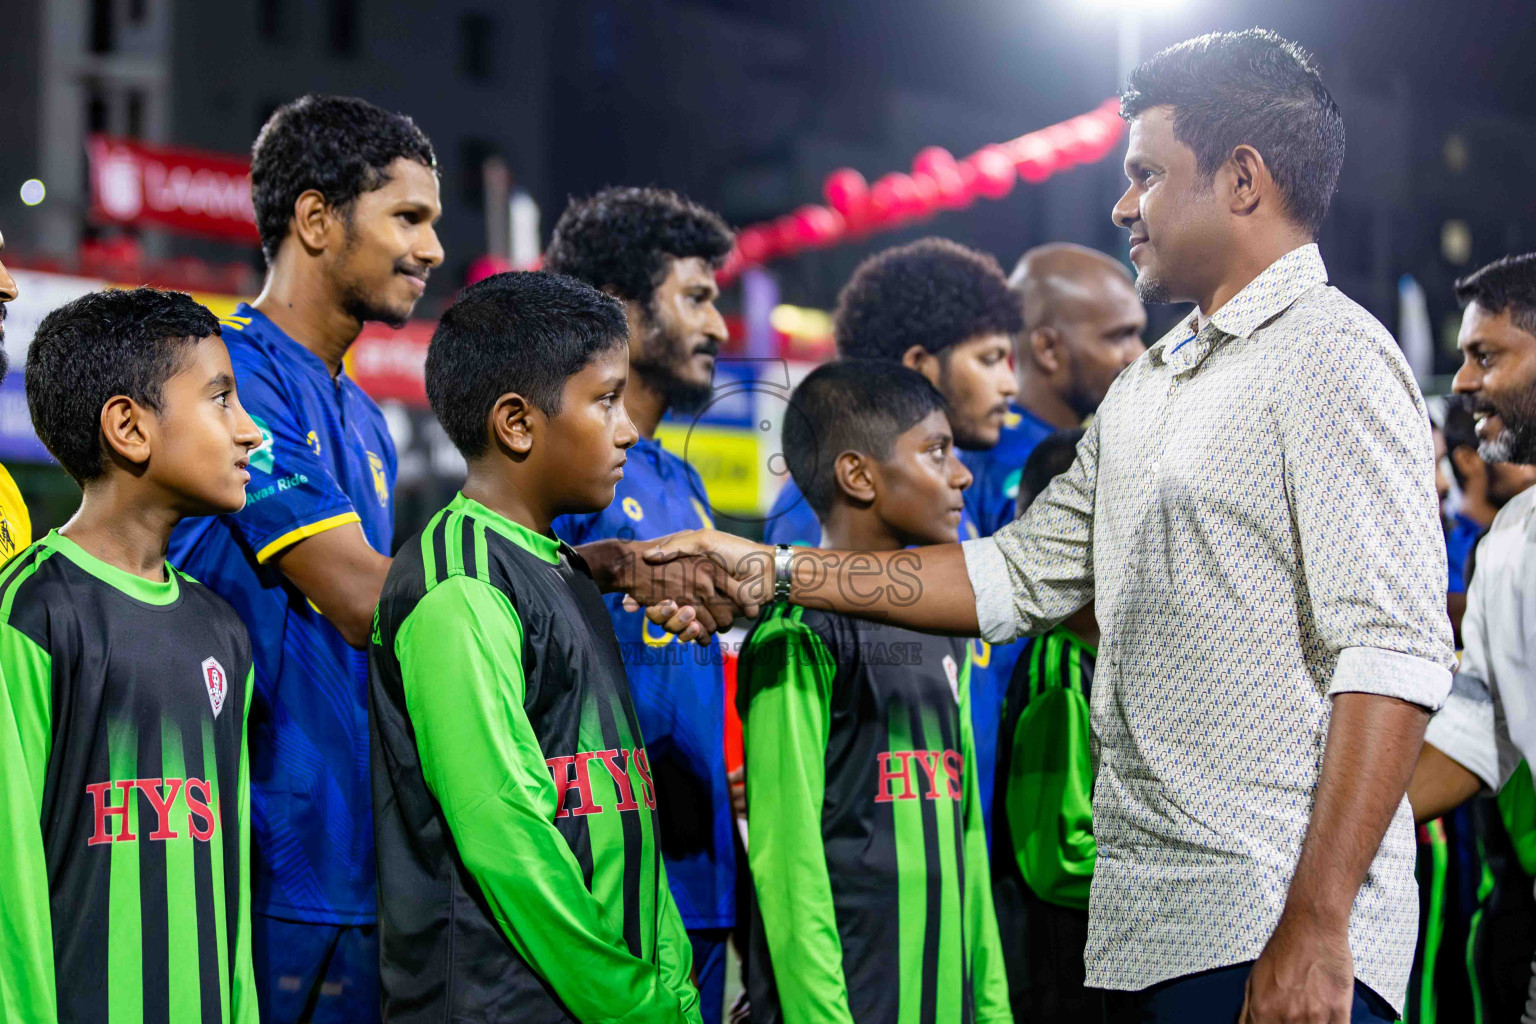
x=1505 y=284
x=525 y=332
x=932 y=292
x=340 y=146
x=1229 y=89
x=99 y=346
x=1052 y=457
x=860 y=405
x=626 y=238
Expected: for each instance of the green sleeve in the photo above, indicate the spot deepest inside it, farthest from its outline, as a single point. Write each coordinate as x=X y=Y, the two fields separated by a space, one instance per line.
x=460 y=654
x=243 y=1009
x=988 y=973
x=1049 y=799
x=789 y=690
x=26 y=927
x=1517 y=806
x=674 y=953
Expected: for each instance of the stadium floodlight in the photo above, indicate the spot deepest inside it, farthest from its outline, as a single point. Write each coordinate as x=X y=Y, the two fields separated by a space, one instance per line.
x=1128 y=15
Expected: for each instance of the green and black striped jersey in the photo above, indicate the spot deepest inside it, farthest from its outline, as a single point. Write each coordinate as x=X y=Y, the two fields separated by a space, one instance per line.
x=1042 y=815
x=124 y=796
x=514 y=810
x=865 y=834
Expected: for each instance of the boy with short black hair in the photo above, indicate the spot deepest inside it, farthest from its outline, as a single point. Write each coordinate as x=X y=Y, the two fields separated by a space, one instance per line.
x=865 y=831
x=520 y=875
x=125 y=685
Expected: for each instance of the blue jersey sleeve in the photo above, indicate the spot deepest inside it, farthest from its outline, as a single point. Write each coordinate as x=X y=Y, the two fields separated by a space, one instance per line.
x=791 y=520
x=576 y=530
x=292 y=494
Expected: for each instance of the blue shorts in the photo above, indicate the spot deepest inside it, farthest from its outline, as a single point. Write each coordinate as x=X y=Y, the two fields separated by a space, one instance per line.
x=709 y=970
x=315 y=973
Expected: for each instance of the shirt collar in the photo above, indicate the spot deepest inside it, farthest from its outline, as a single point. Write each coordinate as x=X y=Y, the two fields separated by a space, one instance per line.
x=547 y=548
x=311 y=362
x=1260 y=301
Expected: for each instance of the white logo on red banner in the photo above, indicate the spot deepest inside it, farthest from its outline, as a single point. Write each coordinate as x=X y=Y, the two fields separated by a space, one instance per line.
x=217 y=683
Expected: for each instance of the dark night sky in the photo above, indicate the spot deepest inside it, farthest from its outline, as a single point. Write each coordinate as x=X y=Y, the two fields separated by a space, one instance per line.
x=1479 y=52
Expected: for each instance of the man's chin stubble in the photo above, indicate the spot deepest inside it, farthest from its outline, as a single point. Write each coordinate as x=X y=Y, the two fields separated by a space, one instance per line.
x=1151 y=290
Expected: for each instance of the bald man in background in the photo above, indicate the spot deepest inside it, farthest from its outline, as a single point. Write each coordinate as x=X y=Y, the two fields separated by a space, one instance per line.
x=1082 y=326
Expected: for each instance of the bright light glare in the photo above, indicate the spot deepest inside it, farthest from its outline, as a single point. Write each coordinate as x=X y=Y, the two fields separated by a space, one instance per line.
x=1135 y=6
x=33 y=191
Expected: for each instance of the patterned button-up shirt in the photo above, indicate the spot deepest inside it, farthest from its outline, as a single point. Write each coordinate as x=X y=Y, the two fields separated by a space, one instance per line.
x=1253 y=510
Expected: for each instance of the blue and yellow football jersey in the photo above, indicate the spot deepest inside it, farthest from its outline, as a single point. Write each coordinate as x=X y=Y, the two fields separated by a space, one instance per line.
x=678 y=690
x=996 y=487
x=326 y=460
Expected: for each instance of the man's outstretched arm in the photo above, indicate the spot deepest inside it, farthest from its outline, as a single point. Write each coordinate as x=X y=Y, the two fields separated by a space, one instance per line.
x=922 y=588
x=1031 y=574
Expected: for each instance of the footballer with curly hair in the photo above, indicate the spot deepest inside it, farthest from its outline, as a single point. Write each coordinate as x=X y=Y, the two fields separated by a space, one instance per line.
x=943 y=310
x=657 y=252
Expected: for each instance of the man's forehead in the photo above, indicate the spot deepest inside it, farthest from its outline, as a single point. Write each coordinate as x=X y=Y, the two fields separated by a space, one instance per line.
x=1150 y=130
x=1480 y=325
x=690 y=270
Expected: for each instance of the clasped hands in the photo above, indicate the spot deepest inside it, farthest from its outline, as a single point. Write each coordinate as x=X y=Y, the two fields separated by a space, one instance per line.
x=694 y=583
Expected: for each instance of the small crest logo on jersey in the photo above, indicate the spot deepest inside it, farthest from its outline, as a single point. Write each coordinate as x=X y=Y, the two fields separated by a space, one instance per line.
x=952 y=673
x=313 y=440
x=217 y=683
x=261 y=456
x=633 y=510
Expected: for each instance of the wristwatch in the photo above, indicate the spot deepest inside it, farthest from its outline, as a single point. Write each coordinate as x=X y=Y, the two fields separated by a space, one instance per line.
x=781 y=573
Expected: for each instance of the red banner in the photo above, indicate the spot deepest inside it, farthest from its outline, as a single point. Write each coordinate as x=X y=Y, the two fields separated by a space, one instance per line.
x=181 y=190
x=390 y=363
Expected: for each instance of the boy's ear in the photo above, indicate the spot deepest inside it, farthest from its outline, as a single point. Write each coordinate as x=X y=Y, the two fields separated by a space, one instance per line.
x=126 y=429
x=854 y=474
x=511 y=424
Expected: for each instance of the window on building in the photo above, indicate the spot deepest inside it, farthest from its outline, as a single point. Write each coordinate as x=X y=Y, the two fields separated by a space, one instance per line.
x=473 y=154
x=102 y=28
x=342 y=27
x=477 y=46
x=274 y=20
x=135 y=114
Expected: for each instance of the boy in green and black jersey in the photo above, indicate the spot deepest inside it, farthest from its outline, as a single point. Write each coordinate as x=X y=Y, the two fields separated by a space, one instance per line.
x=124 y=686
x=1043 y=847
x=865 y=833
x=520 y=876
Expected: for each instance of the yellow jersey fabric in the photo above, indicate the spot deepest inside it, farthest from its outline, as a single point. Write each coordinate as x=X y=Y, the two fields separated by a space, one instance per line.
x=15 y=527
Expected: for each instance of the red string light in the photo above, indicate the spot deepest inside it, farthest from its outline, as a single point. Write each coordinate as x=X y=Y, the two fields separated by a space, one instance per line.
x=855 y=207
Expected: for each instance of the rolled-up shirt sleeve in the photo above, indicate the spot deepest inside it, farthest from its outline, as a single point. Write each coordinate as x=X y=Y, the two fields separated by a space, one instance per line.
x=1038 y=569
x=1359 y=475
x=1471 y=729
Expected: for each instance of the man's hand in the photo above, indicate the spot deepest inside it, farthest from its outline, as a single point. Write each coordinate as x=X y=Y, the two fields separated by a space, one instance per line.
x=1305 y=975
x=690 y=596
x=749 y=564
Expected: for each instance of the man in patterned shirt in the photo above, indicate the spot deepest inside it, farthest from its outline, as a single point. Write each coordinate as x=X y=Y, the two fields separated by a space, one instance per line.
x=1270 y=655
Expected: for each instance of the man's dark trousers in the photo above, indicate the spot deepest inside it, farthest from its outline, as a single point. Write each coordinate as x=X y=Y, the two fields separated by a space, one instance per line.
x=1215 y=997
